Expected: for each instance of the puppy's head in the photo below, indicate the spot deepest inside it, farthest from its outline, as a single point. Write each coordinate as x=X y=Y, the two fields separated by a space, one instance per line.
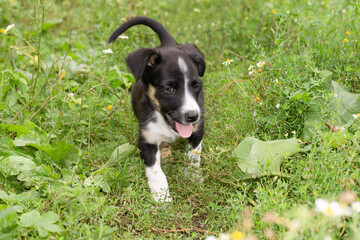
x=172 y=80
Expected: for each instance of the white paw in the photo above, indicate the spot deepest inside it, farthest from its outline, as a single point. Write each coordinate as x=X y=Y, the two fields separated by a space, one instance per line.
x=162 y=196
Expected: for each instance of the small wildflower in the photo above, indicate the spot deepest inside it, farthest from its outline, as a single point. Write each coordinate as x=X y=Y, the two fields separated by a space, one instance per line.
x=226 y=128
x=293 y=132
x=277 y=105
x=110 y=107
x=107 y=51
x=260 y=70
x=327 y=238
x=346 y=40
x=210 y=149
x=228 y=62
x=356 y=206
x=333 y=209
x=70 y=94
x=260 y=64
x=251 y=72
x=276 y=81
x=257 y=99
x=224 y=236
x=124 y=37
x=347 y=33
x=344 y=11
x=210 y=238
x=254 y=114
x=9 y=28
x=356 y=115
x=273 y=11
x=286 y=134
x=194 y=151
x=237 y=235
x=196 y=10
x=251 y=67
x=2 y=30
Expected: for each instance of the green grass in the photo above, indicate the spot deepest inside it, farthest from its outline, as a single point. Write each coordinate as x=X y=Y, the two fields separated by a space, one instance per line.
x=70 y=180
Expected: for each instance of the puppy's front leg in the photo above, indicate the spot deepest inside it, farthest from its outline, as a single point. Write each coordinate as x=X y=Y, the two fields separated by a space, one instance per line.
x=158 y=184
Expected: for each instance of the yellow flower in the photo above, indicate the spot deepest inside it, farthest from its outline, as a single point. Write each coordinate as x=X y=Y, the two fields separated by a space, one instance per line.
x=237 y=235
x=110 y=107
x=260 y=70
x=347 y=33
x=346 y=40
x=2 y=30
x=257 y=99
x=273 y=11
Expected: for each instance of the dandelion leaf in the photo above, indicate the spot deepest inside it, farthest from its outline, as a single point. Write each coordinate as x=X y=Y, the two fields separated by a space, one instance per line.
x=258 y=158
x=337 y=109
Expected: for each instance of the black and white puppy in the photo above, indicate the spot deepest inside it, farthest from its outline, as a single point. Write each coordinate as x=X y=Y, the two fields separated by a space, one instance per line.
x=167 y=98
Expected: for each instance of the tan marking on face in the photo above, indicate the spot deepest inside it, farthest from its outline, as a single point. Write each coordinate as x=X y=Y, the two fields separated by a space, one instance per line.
x=152 y=91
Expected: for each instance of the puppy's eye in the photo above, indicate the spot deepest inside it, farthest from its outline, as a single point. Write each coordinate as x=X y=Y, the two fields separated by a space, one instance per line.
x=195 y=85
x=170 y=90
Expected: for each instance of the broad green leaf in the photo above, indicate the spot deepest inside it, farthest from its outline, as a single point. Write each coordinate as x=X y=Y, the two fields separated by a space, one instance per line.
x=15 y=164
x=257 y=158
x=52 y=228
x=49 y=217
x=120 y=153
x=42 y=232
x=30 y=219
x=339 y=108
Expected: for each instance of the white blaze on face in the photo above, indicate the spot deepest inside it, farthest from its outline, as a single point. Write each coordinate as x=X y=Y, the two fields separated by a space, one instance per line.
x=189 y=102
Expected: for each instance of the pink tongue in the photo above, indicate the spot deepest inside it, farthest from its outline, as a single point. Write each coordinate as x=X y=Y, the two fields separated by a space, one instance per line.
x=185 y=131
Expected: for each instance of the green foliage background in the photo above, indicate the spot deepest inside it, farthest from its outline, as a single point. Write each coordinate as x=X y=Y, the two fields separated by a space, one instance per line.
x=62 y=155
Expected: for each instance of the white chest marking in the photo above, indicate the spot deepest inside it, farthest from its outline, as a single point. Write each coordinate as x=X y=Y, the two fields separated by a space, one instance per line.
x=159 y=131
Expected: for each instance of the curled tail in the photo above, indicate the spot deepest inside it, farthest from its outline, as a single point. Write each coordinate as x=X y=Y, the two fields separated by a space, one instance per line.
x=165 y=38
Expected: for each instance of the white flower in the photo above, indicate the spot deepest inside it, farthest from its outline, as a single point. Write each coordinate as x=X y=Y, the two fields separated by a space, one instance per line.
x=107 y=51
x=224 y=236
x=254 y=114
x=356 y=115
x=277 y=105
x=251 y=72
x=9 y=28
x=293 y=132
x=250 y=67
x=260 y=64
x=211 y=238
x=228 y=62
x=276 y=81
x=124 y=37
x=356 y=206
x=333 y=209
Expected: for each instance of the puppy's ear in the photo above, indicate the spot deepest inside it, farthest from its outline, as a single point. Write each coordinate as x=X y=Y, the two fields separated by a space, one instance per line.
x=196 y=56
x=143 y=60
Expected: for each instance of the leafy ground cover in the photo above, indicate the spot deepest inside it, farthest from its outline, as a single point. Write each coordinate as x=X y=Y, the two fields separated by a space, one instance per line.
x=68 y=165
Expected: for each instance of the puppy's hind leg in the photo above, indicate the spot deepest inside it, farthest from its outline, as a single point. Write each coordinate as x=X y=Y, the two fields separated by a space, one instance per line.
x=156 y=178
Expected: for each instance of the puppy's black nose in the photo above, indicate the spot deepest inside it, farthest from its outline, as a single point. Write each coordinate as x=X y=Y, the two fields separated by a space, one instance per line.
x=191 y=116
